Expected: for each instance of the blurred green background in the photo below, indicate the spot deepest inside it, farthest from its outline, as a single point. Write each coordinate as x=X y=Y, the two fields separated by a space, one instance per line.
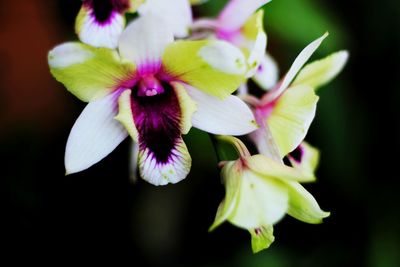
x=99 y=215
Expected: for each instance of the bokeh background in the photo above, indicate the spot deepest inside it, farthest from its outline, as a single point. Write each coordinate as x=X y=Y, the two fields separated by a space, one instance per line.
x=100 y=216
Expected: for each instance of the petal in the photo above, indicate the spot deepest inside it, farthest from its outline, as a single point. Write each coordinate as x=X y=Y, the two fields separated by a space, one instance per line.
x=143 y=42
x=291 y=117
x=99 y=33
x=187 y=105
x=243 y=90
x=256 y=41
x=236 y=12
x=320 y=72
x=267 y=73
x=125 y=116
x=215 y=67
x=260 y=202
x=230 y=116
x=303 y=206
x=268 y=168
x=304 y=157
x=88 y=72
x=176 y=13
x=163 y=156
x=261 y=238
x=197 y=2
x=299 y=62
x=94 y=135
x=161 y=173
x=231 y=177
x=265 y=143
x=134 y=5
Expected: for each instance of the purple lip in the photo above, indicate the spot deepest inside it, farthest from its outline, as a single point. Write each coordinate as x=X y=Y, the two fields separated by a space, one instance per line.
x=157 y=118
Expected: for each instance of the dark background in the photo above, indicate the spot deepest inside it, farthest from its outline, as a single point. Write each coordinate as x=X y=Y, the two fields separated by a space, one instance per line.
x=99 y=216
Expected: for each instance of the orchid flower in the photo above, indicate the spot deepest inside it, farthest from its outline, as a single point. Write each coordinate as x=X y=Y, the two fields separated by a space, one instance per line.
x=286 y=112
x=177 y=14
x=239 y=25
x=260 y=191
x=100 y=22
x=154 y=90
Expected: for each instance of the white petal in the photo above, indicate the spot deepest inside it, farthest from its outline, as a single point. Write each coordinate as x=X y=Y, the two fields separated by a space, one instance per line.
x=223 y=57
x=177 y=13
x=173 y=171
x=267 y=73
x=68 y=54
x=265 y=143
x=99 y=35
x=230 y=116
x=237 y=12
x=299 y=62
x=144 y=40
x=257 y=53
x=256 y=40
x=94 y=135
x=243 y=90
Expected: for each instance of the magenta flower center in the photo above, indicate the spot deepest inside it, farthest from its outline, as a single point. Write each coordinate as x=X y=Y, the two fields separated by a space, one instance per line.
x=262 y=112
x=234 y=37
x=149 y=86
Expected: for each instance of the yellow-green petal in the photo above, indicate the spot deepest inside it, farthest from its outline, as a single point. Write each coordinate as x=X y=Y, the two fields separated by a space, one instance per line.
x=197 y=2
x=134 y=5
x=214 y=67
x=266 y=167
x=298 y=63
x=261 y=238
x=261 y=201
x=256 y=41
x=320 y=72
x=253 y=25
x=87 y=72
x=125 y=116
x=291 y=117
x=187 y=105
x=230 y=175
x=303 y=206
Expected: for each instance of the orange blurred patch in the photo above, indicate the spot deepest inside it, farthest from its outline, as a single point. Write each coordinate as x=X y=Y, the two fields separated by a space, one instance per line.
x=29 y=95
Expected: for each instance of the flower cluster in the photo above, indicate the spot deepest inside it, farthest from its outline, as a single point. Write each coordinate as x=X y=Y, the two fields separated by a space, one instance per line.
x=154 y=78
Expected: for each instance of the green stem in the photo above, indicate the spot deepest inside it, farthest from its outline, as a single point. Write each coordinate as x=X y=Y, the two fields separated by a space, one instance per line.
x=219 y=152
x=223 y=147
x=240 y=147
